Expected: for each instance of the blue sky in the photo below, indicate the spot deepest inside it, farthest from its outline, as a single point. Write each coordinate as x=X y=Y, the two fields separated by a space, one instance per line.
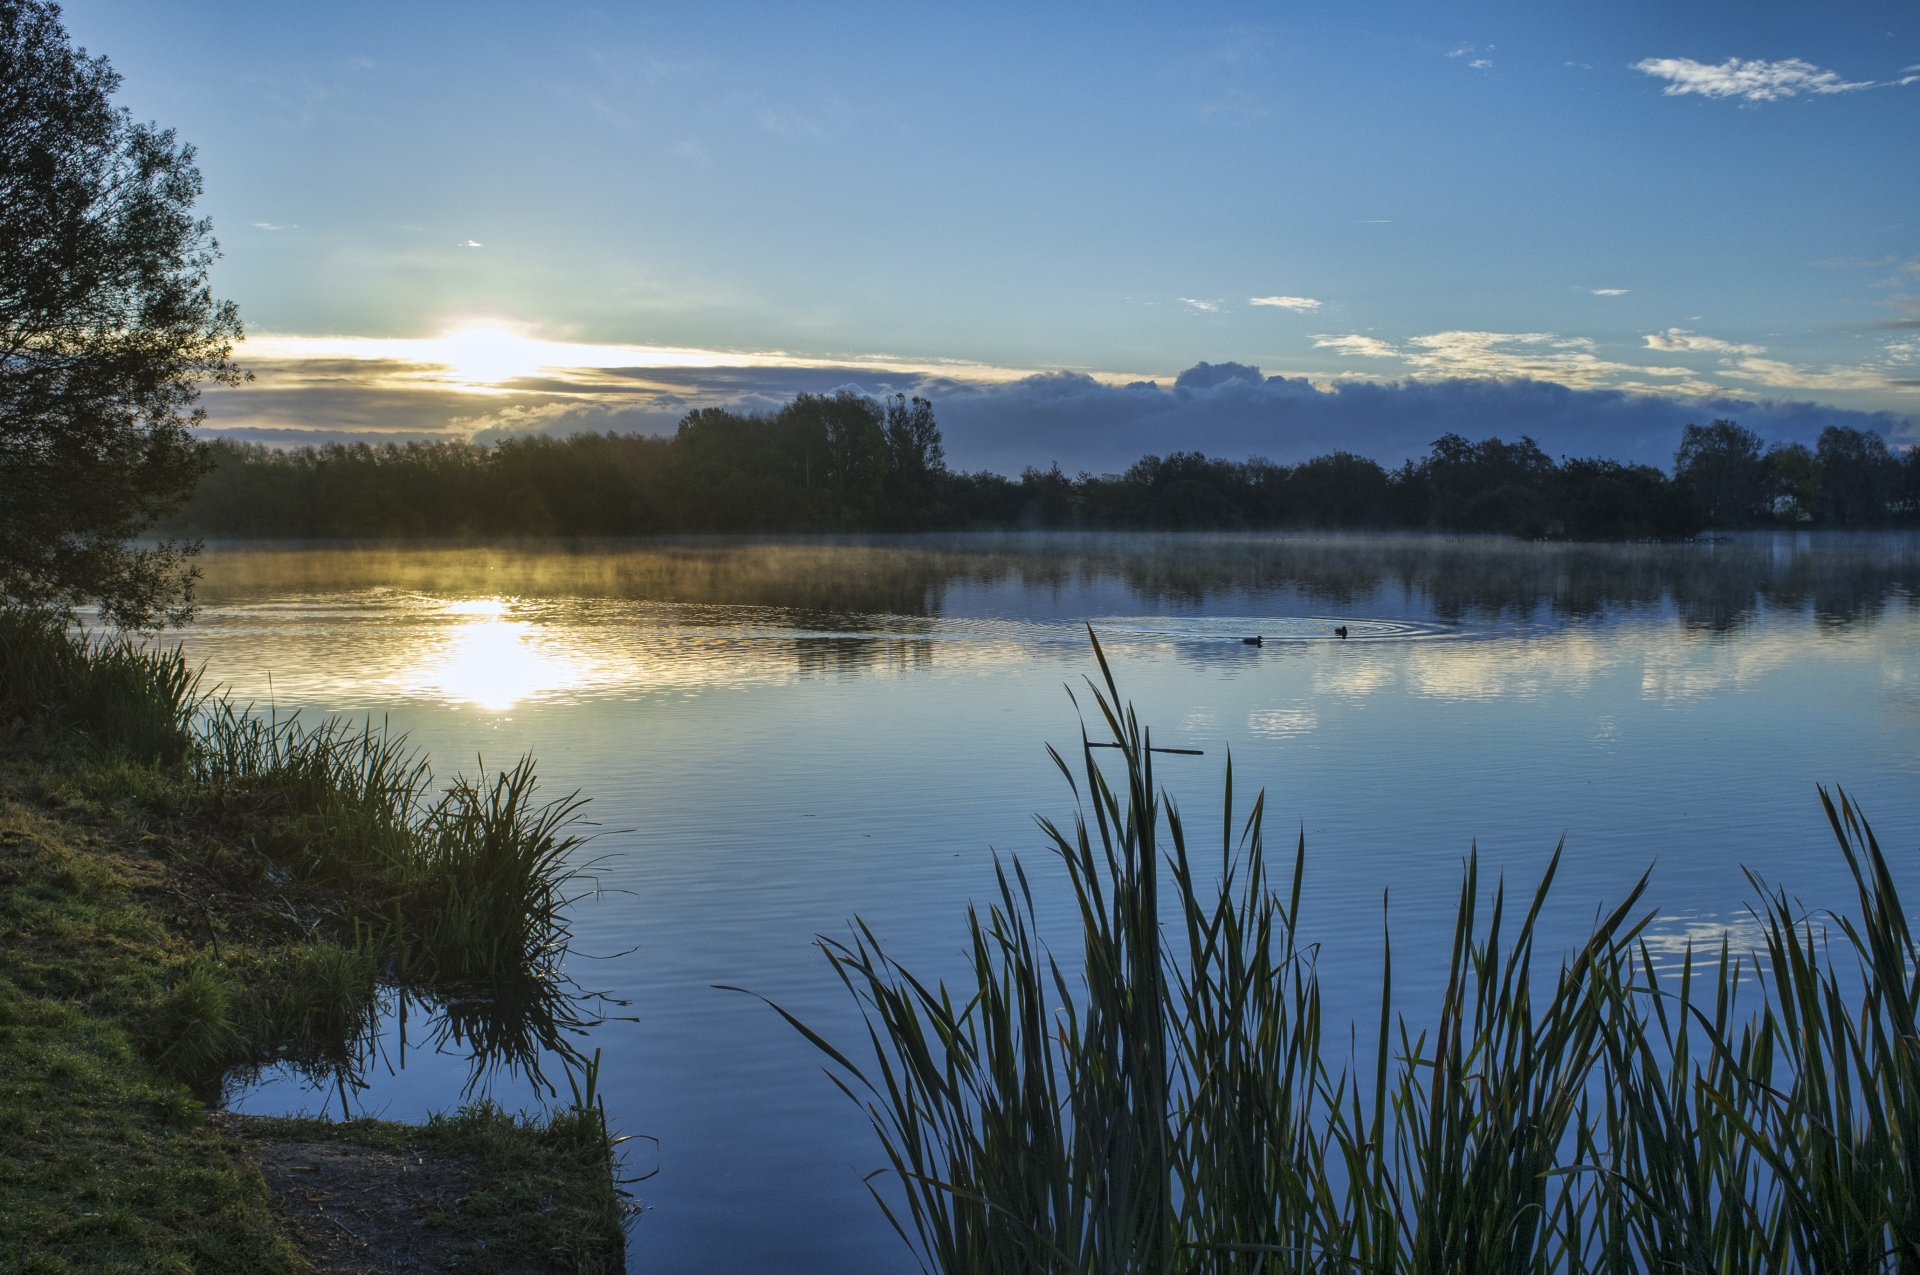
x=1669 y=212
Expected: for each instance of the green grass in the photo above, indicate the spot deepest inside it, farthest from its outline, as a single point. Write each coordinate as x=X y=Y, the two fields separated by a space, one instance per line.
x=1156 y=1092
x=186 y=890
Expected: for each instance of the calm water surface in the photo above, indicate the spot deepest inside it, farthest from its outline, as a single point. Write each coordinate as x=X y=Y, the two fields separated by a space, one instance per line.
x=776 y=736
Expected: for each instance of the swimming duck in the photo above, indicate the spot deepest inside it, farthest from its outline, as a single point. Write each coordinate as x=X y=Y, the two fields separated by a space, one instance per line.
x=1341 y=631
x=1253 y=641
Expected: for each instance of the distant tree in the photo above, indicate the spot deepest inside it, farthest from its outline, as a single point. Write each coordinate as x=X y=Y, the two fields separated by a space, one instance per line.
x=1858 y=475
x=913 y=441
x=847 y=430
x=1340 y=490
x=1793 y=483
x=1606 y=500
x=107 y=330
x=1487 y=486
x=1723 y=472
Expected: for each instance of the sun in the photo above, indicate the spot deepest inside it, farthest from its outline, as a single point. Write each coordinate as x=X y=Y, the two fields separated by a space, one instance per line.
x=487 y=354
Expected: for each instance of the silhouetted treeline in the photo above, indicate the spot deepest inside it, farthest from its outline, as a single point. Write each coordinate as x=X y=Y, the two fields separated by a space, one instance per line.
x=849 y=463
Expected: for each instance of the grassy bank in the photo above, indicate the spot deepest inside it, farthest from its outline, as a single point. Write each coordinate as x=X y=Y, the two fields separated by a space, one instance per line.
x=188 y=894
x=1157 y=1092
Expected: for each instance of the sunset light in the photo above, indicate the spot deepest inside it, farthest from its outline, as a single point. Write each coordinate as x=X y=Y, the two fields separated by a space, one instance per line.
x=493 y=661
x=487 y=354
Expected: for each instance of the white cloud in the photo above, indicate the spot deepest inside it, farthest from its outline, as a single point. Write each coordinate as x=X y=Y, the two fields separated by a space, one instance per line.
x=1750 y=79
x=1356 y=345
x=468 y=243
x=1790 y=376
x=1539 y=356
x=1610 y=292
x=270 y=225
x=1468 y=51
x=1302 y=304
x=1198 y=304
x=1903 y=351
x=1376 y=221
x=1680 y=340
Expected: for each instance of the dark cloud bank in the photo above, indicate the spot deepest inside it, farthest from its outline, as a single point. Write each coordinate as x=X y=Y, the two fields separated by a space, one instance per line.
x=1066 y=418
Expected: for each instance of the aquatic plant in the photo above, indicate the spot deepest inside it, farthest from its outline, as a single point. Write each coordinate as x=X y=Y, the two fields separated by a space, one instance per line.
x=1165 y=1102
x=119 y=694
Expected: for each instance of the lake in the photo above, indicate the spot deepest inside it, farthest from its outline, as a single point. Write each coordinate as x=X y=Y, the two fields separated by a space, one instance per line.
x=776 y=736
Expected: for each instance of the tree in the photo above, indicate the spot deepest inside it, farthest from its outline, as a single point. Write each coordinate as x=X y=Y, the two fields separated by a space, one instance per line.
x=1721 y=467
x=107 y=331
x=1858 y=475
x=913 y=441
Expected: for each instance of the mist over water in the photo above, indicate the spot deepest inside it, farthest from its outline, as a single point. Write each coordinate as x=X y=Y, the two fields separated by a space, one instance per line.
x=777 y=736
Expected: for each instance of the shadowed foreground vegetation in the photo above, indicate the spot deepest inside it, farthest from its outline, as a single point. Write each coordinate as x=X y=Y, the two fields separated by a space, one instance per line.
x=1165 y=1101
x=849 y=463
x=188 y=892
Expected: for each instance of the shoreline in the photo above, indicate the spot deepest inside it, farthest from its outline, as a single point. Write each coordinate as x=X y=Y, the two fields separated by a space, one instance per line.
x=151 y=942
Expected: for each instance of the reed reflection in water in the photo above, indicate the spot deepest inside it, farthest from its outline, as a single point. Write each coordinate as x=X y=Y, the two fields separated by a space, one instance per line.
x=778 y=735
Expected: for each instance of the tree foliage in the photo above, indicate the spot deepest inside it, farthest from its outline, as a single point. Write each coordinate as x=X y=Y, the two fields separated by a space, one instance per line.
x=107 y=330
x=847 y=463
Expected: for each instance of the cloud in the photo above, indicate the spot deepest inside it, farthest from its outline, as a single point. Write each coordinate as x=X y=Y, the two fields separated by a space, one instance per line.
x=1209 y=307
x=1468 y=51
x=1559 y=390
x=1679 y=340
x=1481 y=64
x=469 y=243
x=1610 y=292
x=1782 y=375
x=1356 y=345
x=1230 y=410
x=1750 y=79
x=1303 y=304
x=1544 y=356
x=269 y=225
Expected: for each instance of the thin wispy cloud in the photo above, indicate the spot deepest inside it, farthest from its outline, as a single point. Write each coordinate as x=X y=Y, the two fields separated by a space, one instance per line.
x=1196 y=303
x=1303 y=304
x=469 y=243
x=1680 y=340
x=1778 y=374
x=1475 y=57
x=273 y=225
x=1753 y=79
x=1610 y=292
x=1355 y=345
x=1534 y=356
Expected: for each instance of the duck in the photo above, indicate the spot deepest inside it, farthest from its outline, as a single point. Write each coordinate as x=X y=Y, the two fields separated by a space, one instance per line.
x=1341 y=631
x=1256 y=640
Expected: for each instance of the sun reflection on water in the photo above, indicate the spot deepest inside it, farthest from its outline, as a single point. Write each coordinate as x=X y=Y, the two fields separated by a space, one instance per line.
x=494 y=661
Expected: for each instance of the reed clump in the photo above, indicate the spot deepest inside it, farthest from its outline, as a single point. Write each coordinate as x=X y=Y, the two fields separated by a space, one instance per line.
x=189 y=890
x=1165 y=1098
x=469 y=885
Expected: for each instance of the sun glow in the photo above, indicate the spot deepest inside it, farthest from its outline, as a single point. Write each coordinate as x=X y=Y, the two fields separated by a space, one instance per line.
x=493 y=661
x=488 y=354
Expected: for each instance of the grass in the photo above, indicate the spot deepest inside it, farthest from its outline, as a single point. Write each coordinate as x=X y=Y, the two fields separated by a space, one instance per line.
x=186 y=889
x=1162 y=1098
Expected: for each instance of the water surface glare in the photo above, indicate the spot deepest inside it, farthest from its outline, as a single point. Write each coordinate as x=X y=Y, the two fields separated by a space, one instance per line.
x=779 y=735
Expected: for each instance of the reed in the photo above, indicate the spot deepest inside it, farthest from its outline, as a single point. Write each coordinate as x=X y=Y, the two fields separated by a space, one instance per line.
x=120 y=695
x=1164 y=1101
x=495 y=867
